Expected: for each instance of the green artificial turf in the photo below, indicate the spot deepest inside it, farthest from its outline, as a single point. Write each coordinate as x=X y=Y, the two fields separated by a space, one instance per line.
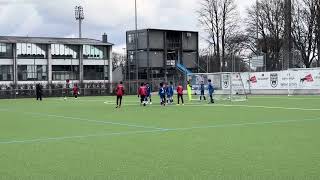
x=270 y=137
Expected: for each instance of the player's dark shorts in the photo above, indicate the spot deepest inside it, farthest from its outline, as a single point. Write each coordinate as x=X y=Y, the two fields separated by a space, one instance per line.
x=143 y=98
x=202 y=93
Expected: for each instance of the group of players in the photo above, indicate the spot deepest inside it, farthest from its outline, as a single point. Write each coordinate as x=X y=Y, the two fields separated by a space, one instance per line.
x=166 y=93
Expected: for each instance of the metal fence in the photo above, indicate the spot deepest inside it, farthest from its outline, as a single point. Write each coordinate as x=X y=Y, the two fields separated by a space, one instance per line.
x=89 y=89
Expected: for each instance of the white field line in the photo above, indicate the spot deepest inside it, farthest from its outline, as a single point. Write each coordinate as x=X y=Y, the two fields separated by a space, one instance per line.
x=224 y=105
x=152 y=131
x=286 y=97
x=84 y=119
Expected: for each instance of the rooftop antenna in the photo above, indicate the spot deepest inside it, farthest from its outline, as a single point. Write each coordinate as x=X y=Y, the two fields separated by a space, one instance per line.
x=79 y=15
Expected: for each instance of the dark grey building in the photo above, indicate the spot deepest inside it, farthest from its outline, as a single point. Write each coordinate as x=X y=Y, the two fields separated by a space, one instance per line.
x=26 y=60
x=161 y=53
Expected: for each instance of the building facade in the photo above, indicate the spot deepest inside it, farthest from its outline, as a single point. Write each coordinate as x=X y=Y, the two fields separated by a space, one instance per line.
x=160 y=52
x=26 y=60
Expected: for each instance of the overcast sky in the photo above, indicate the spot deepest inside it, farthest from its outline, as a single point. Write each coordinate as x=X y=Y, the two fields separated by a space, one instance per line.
x=56 y=17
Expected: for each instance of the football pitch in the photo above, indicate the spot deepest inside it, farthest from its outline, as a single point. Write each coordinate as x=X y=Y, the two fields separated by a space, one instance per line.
x=266 y=137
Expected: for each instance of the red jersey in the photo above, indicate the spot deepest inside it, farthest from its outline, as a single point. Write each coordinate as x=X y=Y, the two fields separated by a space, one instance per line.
x=142 y=91
x=120 y=90
x=75 y=90
x=180 y=90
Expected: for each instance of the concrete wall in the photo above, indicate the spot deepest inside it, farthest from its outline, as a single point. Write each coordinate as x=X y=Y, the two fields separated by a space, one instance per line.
x=142 y=40
x=189 y=59
x=156 y=40
x=190 y=43
x=157 y=58
x=117 y=75
x=32 y=62
x=6 y=61
x=143 y=59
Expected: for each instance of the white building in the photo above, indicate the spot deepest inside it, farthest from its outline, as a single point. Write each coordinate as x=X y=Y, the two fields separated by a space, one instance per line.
x=25 y=60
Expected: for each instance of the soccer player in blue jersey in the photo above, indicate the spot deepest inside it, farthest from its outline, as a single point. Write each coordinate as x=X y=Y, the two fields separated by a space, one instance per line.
x=162 y=94
x=211 y=90
x=202 y=91
x=149 y=91
x=170 y=93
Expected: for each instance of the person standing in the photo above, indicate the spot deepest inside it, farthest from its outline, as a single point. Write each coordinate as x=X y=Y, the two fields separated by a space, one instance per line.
x=202 y=91
x=142 y=93
x=149 y=93
x=39 y=92
x=162 y=94
x=170 y=93
x=119 y=93
x=75 y=90
x=180 y=94
x=211 y=90
x=189 y=90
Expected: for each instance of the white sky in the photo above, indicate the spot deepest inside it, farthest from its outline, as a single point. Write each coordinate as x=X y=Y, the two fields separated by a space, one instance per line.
x=56 y=17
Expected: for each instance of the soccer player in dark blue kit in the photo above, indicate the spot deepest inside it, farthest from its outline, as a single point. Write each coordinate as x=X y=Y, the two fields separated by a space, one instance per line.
x=211 y=90
x=162 y=94
x=149 y=91
x=202 y=91
x=170 y=93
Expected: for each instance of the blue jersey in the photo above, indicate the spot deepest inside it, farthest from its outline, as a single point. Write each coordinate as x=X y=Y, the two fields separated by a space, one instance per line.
x=170 y=91
x=202 y=87
x=210 y=88
x=148 y=91
x=162 y=92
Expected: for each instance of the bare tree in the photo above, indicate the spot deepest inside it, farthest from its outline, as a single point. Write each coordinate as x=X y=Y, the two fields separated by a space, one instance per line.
x=265 y=30
x=304 y=30
x=318 y=31
x=118 y=60
x=219 y=19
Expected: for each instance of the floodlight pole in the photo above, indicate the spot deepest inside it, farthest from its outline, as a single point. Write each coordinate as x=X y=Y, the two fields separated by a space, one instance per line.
x=79 y=15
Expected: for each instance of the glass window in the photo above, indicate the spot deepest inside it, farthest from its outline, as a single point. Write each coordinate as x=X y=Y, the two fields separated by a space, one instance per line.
x=32 y=73
x=31 y=51
x=6 y=73
x=6 y=50
x=130 y=38
x=61 y=51
x=93 y=52
x=93 y=73
x=62 y=73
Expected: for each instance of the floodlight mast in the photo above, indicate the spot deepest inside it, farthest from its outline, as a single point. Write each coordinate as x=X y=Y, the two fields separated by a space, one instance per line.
x=79 y=15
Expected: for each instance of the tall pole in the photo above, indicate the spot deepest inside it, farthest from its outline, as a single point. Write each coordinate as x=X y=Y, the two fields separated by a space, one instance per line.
x=136 y=42
x=80 y=28
x=287 y=36
x=79 y=15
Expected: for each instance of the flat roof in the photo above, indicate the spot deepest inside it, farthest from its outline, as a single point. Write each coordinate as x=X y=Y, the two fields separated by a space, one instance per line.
x=52 y=40
x=155 y=29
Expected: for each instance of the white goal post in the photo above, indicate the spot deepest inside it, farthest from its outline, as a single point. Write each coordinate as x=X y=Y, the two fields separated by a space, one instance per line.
x=228 y=85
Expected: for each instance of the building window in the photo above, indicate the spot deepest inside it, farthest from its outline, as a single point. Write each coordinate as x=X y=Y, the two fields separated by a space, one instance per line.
x=6 y=50
x=32 y=73
x=62 y=73
x=6 y=73
x=61 y=51
x=131 y=38
x=95 y=73
x=94 y=52
x=31 y=51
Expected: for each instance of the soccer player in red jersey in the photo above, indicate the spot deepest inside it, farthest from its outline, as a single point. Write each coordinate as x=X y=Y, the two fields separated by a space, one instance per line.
x=120 y=93
x=75 y=90
x=142 y=93
x=180 y=94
